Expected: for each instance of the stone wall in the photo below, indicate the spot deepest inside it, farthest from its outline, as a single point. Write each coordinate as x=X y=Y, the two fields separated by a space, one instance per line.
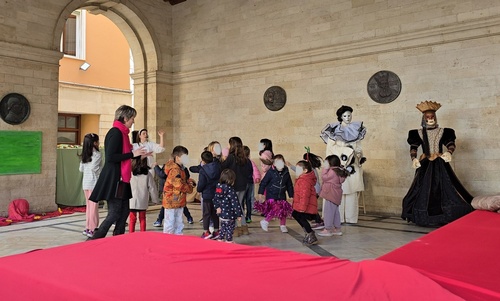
x=227 y=53
x=33 y=74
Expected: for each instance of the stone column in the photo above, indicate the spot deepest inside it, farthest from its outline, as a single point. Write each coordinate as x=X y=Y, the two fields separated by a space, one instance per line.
x=153 y=102
x=32 y=72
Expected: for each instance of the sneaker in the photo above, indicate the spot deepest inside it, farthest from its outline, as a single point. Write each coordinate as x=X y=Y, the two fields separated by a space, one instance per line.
x=206 y=235
x=90 y=234
x=190 y=221
x=201 y=221
x=283 y=229
x=264 y=225
x=248 y=220
x=157 y=223
x=215 y=235
x=325 y=232
x=318 y=226
x=85 y=232
x=337 y=232
x=310 y=239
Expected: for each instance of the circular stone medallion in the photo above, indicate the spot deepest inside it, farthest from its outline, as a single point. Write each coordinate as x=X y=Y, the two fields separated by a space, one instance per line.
x=14 y=108
x=384 y=86
x=275 y=98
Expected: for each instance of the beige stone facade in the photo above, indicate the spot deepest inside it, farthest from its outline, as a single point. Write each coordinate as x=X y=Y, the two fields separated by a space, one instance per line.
x=202 y=68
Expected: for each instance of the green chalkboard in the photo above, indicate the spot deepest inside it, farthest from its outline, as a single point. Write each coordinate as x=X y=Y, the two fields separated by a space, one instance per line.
x=20 y=152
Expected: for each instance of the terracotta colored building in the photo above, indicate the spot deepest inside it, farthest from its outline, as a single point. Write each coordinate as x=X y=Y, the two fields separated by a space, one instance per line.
x=93 y=76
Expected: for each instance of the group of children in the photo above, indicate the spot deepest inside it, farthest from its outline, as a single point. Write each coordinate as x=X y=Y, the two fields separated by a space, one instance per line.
x=220 y=182
x=226 y=181
x=277 y=180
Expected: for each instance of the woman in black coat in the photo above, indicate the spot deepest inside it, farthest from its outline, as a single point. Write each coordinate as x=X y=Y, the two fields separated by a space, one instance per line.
x=113 y=184
x=238 y=162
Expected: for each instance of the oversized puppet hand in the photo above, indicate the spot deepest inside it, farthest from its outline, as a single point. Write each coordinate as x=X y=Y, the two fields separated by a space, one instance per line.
x=415 y=163
x=446 y=157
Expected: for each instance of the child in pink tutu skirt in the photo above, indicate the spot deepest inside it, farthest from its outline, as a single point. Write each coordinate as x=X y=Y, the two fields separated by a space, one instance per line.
x=276 y=183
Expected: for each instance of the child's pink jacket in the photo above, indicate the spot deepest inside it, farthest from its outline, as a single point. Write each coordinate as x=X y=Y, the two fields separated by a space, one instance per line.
x=256 y=173
x=331 y=189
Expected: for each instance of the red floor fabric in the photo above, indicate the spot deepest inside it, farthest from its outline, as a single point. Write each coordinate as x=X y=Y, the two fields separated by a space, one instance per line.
x=154 y=266
x=18 y=217
x=4 y=221
x=461 y=256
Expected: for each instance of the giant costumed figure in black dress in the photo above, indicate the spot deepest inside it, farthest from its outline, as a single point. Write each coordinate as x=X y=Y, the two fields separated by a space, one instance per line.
x=436 y=196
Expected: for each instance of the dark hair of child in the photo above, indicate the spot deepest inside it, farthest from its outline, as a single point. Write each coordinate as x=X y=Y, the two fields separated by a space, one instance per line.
x=227 y=177
x=135 y=137
x=305 y=165
x=140 y=166
x=334 y=161
x=246 y=149
x=142 y=130
x=207 y=157
x=89 y=146
x=179 y=150
x=315 y=160
x=279 y=156
x=268 y=145
x=236 y=148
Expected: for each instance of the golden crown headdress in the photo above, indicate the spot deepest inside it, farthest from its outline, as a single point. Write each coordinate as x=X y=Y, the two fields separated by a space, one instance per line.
x=425 y=106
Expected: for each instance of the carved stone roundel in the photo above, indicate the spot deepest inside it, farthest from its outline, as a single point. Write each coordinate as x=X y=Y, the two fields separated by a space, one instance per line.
x=384 y=86
x=275 y=98
x=14 y=108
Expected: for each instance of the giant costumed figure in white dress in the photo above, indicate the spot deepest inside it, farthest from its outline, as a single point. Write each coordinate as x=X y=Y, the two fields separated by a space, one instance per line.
x=343 y=138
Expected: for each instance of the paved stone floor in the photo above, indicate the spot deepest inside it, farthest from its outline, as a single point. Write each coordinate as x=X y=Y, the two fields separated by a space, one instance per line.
x=372 y=237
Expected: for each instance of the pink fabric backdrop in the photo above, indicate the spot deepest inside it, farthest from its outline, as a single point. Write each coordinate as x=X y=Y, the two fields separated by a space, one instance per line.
x=461 y=256
x=153 y=266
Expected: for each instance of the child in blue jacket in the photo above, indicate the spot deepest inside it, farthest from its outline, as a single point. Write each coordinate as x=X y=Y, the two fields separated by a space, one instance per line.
x=209 y=174
x=227 y=205
x=276 y=184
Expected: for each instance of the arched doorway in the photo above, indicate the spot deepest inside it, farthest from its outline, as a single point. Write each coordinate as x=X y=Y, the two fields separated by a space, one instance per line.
x=146 y=72
x=148 y=81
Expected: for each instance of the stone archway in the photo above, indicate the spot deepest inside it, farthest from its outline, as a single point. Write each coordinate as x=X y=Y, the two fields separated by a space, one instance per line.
x=152 y=80
x=36 y=73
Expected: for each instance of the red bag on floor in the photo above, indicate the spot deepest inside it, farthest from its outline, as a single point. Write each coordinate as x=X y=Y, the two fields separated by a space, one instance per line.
x=19 y=211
